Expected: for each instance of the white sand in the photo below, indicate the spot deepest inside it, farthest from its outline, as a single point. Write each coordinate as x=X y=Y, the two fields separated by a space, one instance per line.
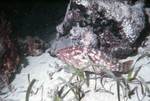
x=42 y=67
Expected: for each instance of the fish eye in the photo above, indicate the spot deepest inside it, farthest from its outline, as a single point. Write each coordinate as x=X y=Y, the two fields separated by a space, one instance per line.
x=58 y=53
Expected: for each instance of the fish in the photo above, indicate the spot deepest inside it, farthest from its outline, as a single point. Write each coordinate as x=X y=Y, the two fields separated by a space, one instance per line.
x=75 y=56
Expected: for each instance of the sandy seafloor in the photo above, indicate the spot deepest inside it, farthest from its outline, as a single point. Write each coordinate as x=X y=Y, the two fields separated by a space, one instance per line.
x=46 y=70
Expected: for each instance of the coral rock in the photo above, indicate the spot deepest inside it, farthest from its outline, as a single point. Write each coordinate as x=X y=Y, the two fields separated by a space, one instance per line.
x=109 y=26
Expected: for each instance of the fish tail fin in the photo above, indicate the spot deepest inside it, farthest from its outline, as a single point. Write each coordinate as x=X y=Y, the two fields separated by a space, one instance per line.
x=127 y=65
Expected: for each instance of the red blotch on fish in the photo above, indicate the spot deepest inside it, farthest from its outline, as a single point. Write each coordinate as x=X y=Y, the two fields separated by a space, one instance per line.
x=75 y=56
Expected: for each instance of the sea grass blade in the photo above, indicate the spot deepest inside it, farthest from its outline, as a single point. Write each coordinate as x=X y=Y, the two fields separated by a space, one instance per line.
x=77 y=72
x=55 y=98
x=29 y=89
x=135 y=74
x=111 y=74
x=132 y=69
x=144 y=55
x=68 y=84
x=145 y=85
x=118 y=90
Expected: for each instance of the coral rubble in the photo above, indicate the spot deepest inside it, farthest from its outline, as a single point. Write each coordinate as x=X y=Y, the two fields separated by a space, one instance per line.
x=13 y=50
x=9 y=55
x=32 y=46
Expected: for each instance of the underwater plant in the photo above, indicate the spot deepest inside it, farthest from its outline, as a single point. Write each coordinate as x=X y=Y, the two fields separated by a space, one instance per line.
x=122 y=82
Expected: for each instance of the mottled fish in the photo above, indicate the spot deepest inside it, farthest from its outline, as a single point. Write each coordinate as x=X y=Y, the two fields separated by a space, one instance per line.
x=75 y=56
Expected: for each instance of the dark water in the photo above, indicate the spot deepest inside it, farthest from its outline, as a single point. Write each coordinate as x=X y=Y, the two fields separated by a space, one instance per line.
x=34 y=18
